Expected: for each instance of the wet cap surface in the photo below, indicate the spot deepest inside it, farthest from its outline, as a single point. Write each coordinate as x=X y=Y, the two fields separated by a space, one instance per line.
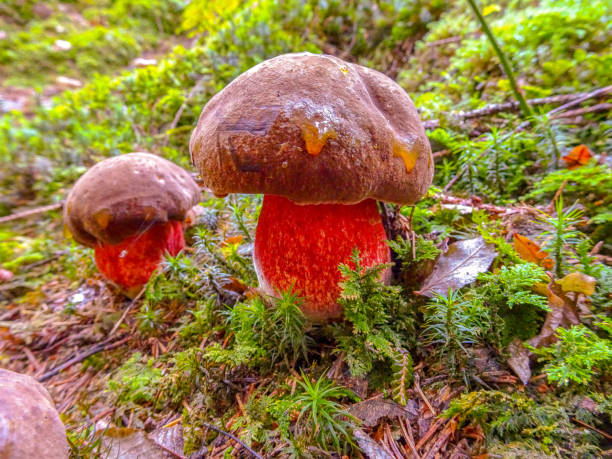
x=124 y=195
x=314 y=129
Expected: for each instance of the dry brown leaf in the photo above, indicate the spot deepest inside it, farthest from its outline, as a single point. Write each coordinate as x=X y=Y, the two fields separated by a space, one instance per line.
x=530 y=251
x=459 y=266
x=563 y=313
x=371 y=411
x=519 y=362
x=579 y=283
x=579 y=156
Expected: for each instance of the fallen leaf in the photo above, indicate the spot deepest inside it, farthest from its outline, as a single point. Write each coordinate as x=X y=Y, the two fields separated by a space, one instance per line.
x=579 y=156
x=371 y=411
x=369 y=447
x=235 y=285
x=232 y=240
x=519 y=362
x=563 y=313
x=459 y=266
x=127 y=443
x=579 y=283
x=530 y=251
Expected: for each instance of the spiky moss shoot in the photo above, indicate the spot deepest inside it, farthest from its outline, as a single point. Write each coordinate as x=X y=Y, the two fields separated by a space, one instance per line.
x=130 y=263
x=299 y=248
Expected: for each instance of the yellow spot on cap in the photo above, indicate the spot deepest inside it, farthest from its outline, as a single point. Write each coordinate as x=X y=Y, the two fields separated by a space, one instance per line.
x=314 y=139
x=409 y=154
x=67 y=232
x=102 y=218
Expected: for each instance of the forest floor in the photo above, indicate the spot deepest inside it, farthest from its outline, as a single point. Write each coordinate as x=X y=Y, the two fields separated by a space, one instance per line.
x=513 y=361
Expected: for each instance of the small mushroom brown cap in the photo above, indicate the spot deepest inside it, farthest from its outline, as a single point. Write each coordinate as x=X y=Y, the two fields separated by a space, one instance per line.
x=124 y=195
x=314 y=129
x=30 y=426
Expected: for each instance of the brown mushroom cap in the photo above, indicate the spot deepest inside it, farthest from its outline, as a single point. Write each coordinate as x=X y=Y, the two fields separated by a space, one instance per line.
x=314 y=129
x=29 y=423
x=124 y=195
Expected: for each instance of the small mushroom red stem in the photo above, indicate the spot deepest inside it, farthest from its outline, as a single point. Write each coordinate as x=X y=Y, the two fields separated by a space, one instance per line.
x=299 y=247
x=130 y=263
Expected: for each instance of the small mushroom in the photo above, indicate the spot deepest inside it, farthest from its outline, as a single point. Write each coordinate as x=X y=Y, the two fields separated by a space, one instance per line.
x=322 y=139
x=30 y=426
x=130 y=209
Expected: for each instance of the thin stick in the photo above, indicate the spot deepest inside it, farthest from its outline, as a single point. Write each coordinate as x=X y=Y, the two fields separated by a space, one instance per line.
x=30 y=212
x=407 y=430
x=512 y=106
x=598 y=92
x=420 y=391
x=104 y=346
x=127 y=310
x=583 y=111
x=594 y=429
x=236 y=439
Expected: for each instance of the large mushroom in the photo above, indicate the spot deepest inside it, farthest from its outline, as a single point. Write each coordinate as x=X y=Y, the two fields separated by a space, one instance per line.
x=130 y=209
x=30 y=426
x=322 y=139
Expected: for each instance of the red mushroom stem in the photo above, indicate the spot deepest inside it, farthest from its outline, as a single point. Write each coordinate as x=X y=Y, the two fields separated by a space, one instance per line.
x=299 y=247
x=130 y=263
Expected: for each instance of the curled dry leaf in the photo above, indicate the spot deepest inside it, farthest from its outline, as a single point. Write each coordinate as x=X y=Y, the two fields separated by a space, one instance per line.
x=371 y=411
x=459 y=266
x=579 y=156
x=563 y=313
x=519 y=362
x=579 y=283
x=530 y=251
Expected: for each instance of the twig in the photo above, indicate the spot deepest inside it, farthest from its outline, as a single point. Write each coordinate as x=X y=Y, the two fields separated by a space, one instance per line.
x=236 y=439
x=444 y=41
x=35 y=264
x=432 y=429
x=104 y=346
x=30 y=212
x=598 y=92
x=127 y=310
x=594 y=429
x=569 y=100
x=582 y=111
x=442 y=438
x=420 y=391
x=179 y=112
x=407 y=431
